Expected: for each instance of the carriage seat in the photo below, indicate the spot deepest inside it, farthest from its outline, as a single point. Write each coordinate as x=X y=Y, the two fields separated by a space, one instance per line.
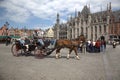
x=52 y=43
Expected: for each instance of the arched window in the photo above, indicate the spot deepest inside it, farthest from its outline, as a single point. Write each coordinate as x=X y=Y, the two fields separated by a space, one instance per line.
x=100 y=29
x=74 y=23
x=104 y=19
x=94 y=21
x=104 y=28
x=78 y=20
x=81 y=21
x=77 y=31
x=91 y=32
x=86 y=32
x=81 y=30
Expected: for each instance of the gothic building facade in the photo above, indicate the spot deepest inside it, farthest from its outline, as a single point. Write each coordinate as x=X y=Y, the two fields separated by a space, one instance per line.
x=91 y=25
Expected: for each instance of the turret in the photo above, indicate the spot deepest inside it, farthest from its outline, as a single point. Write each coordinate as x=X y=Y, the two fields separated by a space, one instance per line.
x=58 y=19
x=79 y=14
x=110 y=6
x=57 y=26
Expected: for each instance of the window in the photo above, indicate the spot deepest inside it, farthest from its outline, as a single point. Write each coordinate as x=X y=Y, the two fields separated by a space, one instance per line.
x=81 y=30
x=91 y=32
x=104 y=29
x=86 y=32
x=95 y=32
x=100 y=29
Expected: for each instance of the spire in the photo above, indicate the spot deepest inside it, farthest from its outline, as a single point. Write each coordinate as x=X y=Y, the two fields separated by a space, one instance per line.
x=57 y=15
x=58 y=20
x=89 y=6
x=110 y=6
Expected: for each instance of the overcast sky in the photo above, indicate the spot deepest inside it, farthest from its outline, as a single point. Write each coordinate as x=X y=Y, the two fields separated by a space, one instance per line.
x=42 y=13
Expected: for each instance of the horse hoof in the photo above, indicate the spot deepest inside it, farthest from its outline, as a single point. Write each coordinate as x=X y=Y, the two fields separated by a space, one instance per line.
x=68 y=56
x=56 y=56
x=77 y=57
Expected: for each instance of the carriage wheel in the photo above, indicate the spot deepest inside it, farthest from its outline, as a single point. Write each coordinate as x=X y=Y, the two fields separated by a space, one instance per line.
x=15 y=51
x=38 y=53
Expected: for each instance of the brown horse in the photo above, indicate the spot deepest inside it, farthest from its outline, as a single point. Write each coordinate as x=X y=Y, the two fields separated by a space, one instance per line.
x=72 y=45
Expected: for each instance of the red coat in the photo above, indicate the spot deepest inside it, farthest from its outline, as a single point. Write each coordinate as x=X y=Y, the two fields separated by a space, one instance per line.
x=98 y=44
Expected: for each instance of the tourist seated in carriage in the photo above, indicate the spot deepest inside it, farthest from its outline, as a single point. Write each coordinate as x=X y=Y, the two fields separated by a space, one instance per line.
x=46 y=43
x=52 y=43
x=24 y=41
x=40 y=42
x=27 y=41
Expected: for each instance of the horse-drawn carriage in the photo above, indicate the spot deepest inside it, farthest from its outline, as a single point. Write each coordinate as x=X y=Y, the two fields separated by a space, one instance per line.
x=37 y=46
x=41 y=48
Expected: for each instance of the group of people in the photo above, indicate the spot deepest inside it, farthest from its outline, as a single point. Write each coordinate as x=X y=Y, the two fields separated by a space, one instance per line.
x=42 y=42
x=96 y=46
x=93 y=46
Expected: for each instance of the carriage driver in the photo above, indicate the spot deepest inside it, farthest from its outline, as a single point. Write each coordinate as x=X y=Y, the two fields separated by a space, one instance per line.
x=22 y=41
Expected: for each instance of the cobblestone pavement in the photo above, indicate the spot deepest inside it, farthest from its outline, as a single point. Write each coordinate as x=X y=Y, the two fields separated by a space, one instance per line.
x=91 y=66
